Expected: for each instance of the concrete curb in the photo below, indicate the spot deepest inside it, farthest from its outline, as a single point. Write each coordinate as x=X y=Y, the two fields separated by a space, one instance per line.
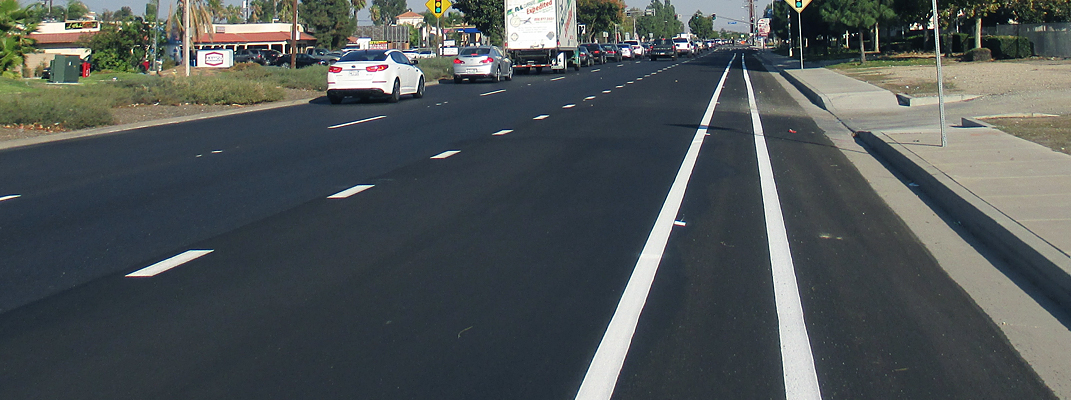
x=912 y=101
x=812 y=94
x=1041 y=262
x=145 y=124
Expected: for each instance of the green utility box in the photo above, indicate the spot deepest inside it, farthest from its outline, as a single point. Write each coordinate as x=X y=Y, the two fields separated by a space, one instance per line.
x=65 y=69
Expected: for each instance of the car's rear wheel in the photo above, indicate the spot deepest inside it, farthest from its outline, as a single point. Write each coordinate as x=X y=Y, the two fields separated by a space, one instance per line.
x=497 y=77
x=397 y=93
x=509 y=77
x=419 y=89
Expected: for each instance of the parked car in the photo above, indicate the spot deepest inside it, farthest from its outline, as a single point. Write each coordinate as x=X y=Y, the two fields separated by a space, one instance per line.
x=374 y=73
x=303 y=60
x=249 y=56
x=625 y=50
x=612 y=52
x=270 y=56
x=598 y=55
x=482 y=62
x=663 y=48
x=323 y=54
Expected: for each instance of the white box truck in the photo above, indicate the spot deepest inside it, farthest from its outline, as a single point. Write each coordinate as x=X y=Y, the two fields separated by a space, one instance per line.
x=541 y=34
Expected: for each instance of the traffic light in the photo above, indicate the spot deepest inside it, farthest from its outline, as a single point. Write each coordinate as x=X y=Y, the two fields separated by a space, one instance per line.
x=713 y=17
x=799 y=3
x=439 y=6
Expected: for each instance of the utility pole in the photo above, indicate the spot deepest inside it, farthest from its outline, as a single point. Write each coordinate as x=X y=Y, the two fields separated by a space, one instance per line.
x=751 y=16
x=186 y=35
x=293 y=38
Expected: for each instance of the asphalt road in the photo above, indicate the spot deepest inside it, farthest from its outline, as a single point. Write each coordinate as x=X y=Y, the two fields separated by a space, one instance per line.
x=489 y=273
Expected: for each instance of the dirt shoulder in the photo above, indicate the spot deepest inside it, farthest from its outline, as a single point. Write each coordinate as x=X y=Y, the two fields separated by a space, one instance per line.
x=1024 y=86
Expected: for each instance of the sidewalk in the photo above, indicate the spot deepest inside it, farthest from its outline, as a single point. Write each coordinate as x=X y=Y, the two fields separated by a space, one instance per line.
x=1012 y=194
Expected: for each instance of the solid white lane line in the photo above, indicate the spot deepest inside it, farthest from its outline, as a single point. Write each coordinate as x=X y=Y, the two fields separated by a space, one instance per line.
x=539 y=117
x=493 y=92
x=445 y=154
x=797 y=361
x=589 y=98
x=558 y=78
x=502 y=132
x=602 y=374
x=169 y=263
x=10 y=196
x=350 y=192
x=356 y=122
x=569 y=106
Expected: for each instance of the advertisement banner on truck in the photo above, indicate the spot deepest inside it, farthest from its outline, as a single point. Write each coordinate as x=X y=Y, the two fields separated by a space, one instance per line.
x=567 y=23
x=530 y=24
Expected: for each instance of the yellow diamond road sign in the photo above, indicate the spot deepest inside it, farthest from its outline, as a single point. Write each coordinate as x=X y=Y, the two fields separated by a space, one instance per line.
x=797 y=5
x=438 y=7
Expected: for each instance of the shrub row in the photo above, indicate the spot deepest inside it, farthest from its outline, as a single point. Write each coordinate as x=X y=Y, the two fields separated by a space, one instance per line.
x=1000 y=46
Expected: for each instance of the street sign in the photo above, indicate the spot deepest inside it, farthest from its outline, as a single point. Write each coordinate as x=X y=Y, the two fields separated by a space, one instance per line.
x=438 y=7
x=798 y=5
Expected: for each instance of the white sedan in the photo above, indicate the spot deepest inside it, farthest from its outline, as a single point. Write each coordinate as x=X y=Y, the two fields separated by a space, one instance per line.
x=374 y=73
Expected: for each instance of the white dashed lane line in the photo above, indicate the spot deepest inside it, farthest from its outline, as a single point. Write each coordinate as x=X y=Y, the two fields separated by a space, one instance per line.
x=620 y=86
x=445 y=154
x=596 y=70
x=493 y=92
x=10 y=196
x=558 y=78
x=169 y=263
x=606 y=91
x=350 y=192
x=539 y=117
x=630 y=82
x=502 y=132
x=569 y=106
x=589 y=98
x=356 y=122
x=217 y=151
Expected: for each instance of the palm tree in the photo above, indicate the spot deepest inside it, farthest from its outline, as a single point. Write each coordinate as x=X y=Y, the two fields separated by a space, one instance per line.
x=15 y=27
x=200 y=19
x=358 y=5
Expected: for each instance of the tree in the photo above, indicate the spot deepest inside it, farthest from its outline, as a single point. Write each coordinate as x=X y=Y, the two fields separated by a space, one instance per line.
x=389 y=10
x=975 y=9
x=331 y=21
x=701 y=26
x=200 y=19
x=661 y=22
x=16 y=23
x=600 y=15
x=486 y=15
x=859 y=14
x=120 y=47
x=75 y=10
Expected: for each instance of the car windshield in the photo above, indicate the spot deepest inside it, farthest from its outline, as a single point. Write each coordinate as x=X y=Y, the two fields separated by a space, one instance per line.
x=679 y=40
x=365 y=55
x=474 y=51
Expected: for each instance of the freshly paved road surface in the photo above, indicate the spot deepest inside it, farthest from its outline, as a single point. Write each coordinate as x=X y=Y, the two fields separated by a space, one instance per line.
x=483 y=250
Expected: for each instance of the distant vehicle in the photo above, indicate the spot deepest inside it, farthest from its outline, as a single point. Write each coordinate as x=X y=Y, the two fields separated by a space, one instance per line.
x=482 y=62
x=663 y=48
x=541 y=34
x=374 y=73
x=303 y=60
x=249 y=56
x=323 y=54
x=598 y=55
x=637 y=48
x=683 y=47
x=425 y=53
x=612 y=52
x=586 y=59
x=270 y=56
x=411 y=53
x=625 y=50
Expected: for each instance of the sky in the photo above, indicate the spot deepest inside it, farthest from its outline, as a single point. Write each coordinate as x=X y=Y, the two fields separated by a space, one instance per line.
x=735 y=9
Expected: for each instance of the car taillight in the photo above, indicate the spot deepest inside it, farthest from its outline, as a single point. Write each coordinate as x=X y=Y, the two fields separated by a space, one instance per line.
x=375 y=68
x=458 y=61
x=334 y=69
x=487 y=60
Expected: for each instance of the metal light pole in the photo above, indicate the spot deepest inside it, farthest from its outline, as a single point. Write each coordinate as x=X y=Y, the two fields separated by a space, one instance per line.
x=186 y=35
x=940 y=76
x=294 y=38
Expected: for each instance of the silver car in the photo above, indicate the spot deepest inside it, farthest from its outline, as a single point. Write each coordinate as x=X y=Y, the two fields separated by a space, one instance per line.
x=482 y=62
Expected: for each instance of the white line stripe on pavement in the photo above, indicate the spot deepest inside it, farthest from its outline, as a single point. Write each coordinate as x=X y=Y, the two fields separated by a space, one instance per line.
x=797 y=362
x=558 y=78
x=569 y=106
x=539 y=117
x=445 y=154
x=350 y=192
x=356 y=122
x=602 y=374
x=493 y=92
x=589 y=98
x=606 y=91
x=169 y=263
x=596 y=70
x=10 y=196
x=502 y=132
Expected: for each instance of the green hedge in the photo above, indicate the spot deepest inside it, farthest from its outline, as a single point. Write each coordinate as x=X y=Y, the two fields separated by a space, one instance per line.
x=1004 y=47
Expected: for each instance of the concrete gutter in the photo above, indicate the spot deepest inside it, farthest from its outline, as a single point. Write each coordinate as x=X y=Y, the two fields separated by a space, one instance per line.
x=1041 y=262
